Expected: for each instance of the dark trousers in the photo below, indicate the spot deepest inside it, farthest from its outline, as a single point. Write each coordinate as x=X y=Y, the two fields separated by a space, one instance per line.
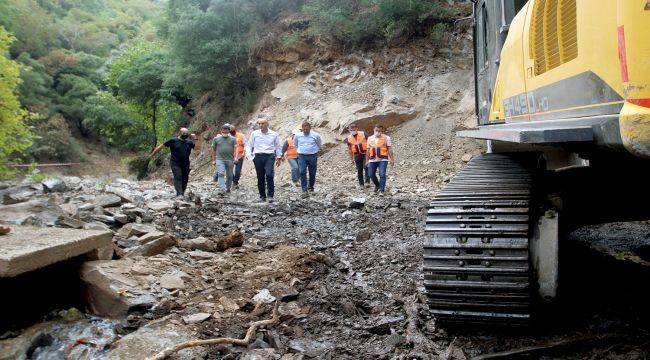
x=362 y=169
x=264 y=168
x=237 y=175
x=307 y=163
x=181 y=176
x=380 y=183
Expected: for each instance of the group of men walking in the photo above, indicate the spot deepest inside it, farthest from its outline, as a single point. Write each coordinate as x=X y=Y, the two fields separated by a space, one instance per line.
x=369 y=154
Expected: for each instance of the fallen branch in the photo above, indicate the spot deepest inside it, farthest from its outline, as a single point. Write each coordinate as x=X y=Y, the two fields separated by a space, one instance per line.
x=421 y=344
x=250 y=335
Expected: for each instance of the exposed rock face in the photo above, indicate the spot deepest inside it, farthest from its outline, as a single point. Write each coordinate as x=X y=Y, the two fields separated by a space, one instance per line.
x=111 y=290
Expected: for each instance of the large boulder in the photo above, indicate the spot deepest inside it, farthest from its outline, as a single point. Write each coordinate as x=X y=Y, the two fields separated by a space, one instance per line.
x=54 y=185
x=149 y=340
x=18 y=347
x=37 y=212
x=17 y=194
x=153 y=247
x=135 y=229
x=108 y=200
x=126 y=195
x=112 y=290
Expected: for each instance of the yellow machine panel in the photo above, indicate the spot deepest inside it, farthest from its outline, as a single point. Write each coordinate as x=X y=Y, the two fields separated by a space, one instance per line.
x=573 y=59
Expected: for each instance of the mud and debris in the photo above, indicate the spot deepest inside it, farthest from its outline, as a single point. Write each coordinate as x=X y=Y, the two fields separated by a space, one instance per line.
x=345 y=274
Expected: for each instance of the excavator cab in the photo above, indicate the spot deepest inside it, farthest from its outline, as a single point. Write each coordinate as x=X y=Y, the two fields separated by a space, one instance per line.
x=492 y=20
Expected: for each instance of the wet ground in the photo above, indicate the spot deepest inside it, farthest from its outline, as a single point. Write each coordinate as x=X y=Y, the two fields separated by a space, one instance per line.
x=357 y=294
x=345 y=265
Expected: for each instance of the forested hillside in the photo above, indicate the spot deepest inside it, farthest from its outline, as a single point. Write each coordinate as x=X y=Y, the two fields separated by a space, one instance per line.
x=123 y=72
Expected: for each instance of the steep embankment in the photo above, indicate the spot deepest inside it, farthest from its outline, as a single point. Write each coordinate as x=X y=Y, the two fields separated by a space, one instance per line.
x=421 y=91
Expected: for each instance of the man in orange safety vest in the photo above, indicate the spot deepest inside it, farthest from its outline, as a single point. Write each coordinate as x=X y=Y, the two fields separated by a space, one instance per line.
x=240 y=153
x=357 y=143
x=291 y=155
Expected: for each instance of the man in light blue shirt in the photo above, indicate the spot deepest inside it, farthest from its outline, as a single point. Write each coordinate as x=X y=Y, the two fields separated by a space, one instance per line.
x=307 y=143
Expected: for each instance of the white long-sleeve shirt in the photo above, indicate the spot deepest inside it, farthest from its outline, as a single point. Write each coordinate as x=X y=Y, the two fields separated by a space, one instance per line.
x=261 y=143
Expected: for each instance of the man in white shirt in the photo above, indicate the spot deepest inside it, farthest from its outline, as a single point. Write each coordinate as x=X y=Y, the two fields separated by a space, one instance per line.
x=265 y=149
x=307 y=143
x=378 y=155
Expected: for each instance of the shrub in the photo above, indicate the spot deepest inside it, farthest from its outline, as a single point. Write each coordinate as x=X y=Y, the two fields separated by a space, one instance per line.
x=359 y=21
x=53 y=141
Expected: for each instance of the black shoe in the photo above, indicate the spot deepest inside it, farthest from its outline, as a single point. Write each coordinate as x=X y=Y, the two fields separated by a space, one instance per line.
x=310 y=190
x=262 y=199
x=270 y=200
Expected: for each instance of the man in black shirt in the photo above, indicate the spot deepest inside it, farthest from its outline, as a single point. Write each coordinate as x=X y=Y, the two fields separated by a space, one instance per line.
x=179 y=162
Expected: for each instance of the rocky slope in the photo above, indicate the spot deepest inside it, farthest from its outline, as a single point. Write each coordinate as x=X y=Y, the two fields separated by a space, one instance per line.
x=421 y=92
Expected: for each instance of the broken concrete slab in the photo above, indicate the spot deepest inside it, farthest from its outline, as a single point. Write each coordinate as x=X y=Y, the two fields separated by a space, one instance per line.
x=111 y=291
x=29 y=248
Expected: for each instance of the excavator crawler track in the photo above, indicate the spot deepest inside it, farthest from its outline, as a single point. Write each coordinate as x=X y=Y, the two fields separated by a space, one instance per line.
x=476 y=257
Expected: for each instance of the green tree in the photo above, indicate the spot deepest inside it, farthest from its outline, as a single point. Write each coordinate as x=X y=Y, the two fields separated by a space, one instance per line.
x=16 y=135
x=35 y=90
x=210 y=44
x=109 y=119
x=30 y=24
x=73 y=91
x=142 y=83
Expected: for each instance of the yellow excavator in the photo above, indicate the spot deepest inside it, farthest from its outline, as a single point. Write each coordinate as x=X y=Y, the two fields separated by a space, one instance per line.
x=563 y=100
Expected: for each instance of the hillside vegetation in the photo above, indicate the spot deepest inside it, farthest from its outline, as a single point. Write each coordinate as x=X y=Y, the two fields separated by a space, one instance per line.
x=124 y=72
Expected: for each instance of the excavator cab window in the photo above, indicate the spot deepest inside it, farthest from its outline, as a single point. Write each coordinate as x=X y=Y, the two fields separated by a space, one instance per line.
x=485 y=26
x=492 y=20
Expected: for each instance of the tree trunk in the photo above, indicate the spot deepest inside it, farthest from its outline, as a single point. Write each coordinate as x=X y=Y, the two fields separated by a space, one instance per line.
x=153 y=123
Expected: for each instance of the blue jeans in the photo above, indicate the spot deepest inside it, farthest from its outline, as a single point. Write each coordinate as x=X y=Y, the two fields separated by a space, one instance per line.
x=237 y=174
x=224 y=174
x=372 y=169
x=295 y=173
x=307 y=162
